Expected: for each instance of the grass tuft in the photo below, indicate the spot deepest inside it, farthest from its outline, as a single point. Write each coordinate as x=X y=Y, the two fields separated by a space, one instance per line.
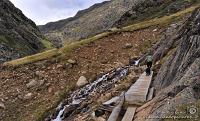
x=159 y=21
x=48 y=45
x=33 y=58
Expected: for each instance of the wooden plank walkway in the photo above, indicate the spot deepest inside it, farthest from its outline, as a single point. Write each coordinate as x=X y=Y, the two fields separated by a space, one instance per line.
x=139 y=90
x=114 y=99
x=150 y=94
x=116 y=111
x=138 y=93
x=130 y=112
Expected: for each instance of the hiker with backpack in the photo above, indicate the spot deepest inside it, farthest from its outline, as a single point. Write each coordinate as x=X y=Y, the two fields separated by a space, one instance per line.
x=149 y=61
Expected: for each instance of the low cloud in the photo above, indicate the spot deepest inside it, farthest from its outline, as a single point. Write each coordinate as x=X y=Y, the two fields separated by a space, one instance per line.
x=44 y=11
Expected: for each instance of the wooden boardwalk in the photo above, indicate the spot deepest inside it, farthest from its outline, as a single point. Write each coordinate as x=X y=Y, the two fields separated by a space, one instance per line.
x=130 y=112
x=138 y=93
x=139 y=90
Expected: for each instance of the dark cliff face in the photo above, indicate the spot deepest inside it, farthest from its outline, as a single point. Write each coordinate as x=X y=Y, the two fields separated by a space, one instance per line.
x=151 y=9
x=178 y=80
x=19 y=36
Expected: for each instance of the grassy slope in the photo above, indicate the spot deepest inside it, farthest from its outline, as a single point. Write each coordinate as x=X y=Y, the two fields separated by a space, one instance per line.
x=48 y=45
x=64 y=51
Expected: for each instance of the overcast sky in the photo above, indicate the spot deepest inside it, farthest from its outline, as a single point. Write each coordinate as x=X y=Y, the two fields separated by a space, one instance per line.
x=43 y=11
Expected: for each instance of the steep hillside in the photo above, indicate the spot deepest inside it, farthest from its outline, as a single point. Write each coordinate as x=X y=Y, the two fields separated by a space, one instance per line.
x=177 y=81
x=19 y=36
x=39 y=83
x=104 y=16
x=40 y=87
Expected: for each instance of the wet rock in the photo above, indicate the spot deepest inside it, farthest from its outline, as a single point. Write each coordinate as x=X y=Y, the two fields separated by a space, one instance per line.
x=99 y=113
x=2 y=106
x=28 y=96
x=82 y=81
x=32 y=83
x=71 y=61
x=68 y=111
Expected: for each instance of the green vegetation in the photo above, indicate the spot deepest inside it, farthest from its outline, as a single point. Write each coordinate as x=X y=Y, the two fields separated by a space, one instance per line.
x=167 y=8
x=8 y=40
x=67 y=49
x=3 y=39
x=159 y=21
x=48 y=45
x=33 y=58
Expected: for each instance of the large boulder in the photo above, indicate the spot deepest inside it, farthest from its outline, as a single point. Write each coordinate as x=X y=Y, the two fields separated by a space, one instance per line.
x=82 y=81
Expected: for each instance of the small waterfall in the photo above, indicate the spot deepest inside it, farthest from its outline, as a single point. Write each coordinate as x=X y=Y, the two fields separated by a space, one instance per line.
x=101 y=85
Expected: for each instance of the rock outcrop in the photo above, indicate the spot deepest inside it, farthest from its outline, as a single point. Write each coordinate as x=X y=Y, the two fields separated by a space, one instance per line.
x=178 y=80
x=19 y=36
x=96 y=19
x=104 y=16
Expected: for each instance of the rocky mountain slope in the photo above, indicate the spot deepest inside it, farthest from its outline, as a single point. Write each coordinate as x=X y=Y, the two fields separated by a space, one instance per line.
x=39 y=90
x=19 y=36
x=177 y=82
x=104 y=16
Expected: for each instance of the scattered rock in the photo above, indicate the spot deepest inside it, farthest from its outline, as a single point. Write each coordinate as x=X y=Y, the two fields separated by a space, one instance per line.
x=50 y=90
x=68 y=65
x=82 y=81
x=104 y=60
x=28 y=96
x=2 y=106
x=59 y=66
x=41 y=82
x=71 y=61
x=83 y=72
x=128 y=46
x=155 y=30
x=40 y=74
x=101 y=119
x=32 y=83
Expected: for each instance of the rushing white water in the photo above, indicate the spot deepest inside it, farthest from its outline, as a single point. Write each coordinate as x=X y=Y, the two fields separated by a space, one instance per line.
x=137 y=62
x=101 y=84
x=59 y=118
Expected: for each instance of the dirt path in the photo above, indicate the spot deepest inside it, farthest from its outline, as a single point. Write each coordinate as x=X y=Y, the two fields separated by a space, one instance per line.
x=54 y=79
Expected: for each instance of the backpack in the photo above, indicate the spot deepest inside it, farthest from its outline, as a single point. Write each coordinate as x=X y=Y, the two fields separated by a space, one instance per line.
x=149 y=58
